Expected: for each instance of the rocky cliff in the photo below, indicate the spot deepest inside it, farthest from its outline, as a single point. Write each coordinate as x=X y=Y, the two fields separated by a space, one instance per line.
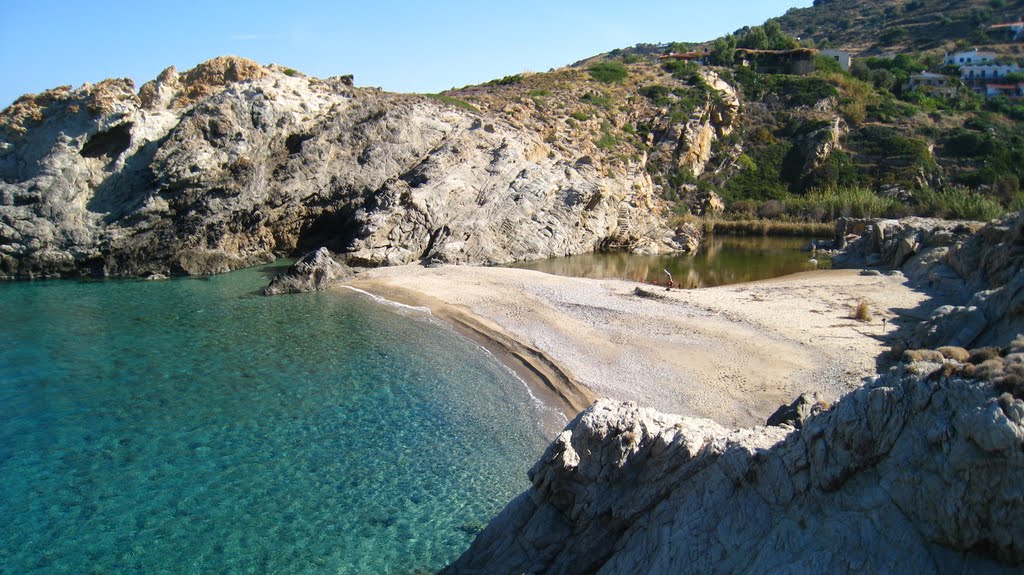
x=918 y=471
x=977 y=267
x=233 y=163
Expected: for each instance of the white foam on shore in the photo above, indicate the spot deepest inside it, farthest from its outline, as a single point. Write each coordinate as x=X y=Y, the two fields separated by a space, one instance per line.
x=386 y=301
x=547 y=409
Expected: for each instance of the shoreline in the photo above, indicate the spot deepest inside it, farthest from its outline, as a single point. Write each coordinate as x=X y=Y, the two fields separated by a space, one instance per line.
x=552 y=383
x=732 y=354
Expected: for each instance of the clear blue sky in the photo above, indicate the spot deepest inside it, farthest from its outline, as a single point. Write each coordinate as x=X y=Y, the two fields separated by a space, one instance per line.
x=399 y=45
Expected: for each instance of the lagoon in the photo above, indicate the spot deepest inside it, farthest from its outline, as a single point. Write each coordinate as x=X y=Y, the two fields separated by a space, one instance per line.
x=722 y=260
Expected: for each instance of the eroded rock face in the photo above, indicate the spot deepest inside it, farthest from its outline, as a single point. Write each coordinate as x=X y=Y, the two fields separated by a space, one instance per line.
x=889 y=480
x=232 y=163
x=980 y=266
x=689 y=145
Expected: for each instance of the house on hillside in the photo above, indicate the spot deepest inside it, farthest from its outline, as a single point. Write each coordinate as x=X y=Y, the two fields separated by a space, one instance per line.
x=799 y=61
x=969 y=57
x=933 y=84
x=697 y=57
x=1011 y=91
x=840 y=56
x=977 y=76
x=1012 y=31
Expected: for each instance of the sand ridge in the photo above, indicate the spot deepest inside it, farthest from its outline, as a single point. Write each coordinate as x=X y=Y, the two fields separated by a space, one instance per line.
x=732 y=353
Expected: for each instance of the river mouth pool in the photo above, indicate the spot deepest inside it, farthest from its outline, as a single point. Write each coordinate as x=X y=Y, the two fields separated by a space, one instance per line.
x=192 y=426
x=722 y=260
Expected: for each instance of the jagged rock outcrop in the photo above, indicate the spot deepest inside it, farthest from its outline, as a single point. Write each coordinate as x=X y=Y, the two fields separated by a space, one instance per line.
x=795 y=414
x=315 y=271
x=690 y=144
x=979 y=266
x=907 y=474
x=232 y=163
x=817 y=145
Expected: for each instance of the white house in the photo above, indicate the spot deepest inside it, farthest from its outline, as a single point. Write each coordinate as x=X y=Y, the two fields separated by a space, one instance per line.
x=969 y=57
x=936 y=84
x=979 y=74
x=840 y=56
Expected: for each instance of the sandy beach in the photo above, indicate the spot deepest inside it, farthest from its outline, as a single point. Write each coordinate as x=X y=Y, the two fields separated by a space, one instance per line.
x=732 y=354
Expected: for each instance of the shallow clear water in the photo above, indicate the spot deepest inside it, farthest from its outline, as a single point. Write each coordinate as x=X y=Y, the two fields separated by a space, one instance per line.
x=721 y=260
x=190 y=426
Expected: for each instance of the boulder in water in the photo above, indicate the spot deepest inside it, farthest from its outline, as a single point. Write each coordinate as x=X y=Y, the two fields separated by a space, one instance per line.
x=315 y=271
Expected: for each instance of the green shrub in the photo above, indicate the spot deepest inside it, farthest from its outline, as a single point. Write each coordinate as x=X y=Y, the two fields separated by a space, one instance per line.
x=888 y=109
x=608 y=72
x=454 y=102
x=967 y=143
x=538 y=93
x=291 y=72
x=958 y=203
x=657 y=94
x=802 y=90
x=892 y=36
x=506 y=81
x=681 y=69
x=824 y=63
x=599 y=100
x=832 y=203
x=580 y=116
x=888 y=143
x=607 y=141
x=764 y=181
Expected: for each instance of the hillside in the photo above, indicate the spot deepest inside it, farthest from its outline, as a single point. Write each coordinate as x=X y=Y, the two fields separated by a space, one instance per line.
x=188 y=175
x=806 y=147
x=899 y=26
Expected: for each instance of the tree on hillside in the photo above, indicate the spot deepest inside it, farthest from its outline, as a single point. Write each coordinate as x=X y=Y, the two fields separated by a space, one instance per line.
x=767 y=37
x=723 y=51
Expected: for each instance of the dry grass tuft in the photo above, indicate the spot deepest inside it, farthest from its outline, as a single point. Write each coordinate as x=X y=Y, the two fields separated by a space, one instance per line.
x=861 y=312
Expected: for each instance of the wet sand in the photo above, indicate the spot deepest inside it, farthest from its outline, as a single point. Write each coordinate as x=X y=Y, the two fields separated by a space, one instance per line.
x=732 y=353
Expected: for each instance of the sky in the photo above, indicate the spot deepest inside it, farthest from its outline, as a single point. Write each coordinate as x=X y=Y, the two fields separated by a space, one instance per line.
x=399 y=45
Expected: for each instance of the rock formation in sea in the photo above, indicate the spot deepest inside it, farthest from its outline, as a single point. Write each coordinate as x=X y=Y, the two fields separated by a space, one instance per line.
x=232 y=164
x=918 y=471
x=315 y=271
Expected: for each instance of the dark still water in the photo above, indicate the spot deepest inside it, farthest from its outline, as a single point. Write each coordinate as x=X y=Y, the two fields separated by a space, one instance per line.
x=722 y=260
x=192 y=427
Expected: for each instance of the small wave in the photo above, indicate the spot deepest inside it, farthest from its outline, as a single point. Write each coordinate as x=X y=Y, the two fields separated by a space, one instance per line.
x=545 y=407
x=386 y=301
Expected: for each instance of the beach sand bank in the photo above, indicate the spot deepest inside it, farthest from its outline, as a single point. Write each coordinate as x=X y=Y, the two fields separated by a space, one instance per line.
x=732 y=353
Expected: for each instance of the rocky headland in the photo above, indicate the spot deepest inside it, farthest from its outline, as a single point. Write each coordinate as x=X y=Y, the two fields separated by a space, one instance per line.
x=916 y=471
x=233 y=163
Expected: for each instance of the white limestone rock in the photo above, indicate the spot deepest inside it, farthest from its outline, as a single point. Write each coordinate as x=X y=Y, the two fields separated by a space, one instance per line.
x=907 y=474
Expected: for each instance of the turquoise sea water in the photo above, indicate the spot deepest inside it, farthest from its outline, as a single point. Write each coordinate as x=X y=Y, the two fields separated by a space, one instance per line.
x=190 y=426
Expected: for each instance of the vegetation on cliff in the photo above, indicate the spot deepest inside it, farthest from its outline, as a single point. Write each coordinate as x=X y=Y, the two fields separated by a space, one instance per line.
x=812 y=147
